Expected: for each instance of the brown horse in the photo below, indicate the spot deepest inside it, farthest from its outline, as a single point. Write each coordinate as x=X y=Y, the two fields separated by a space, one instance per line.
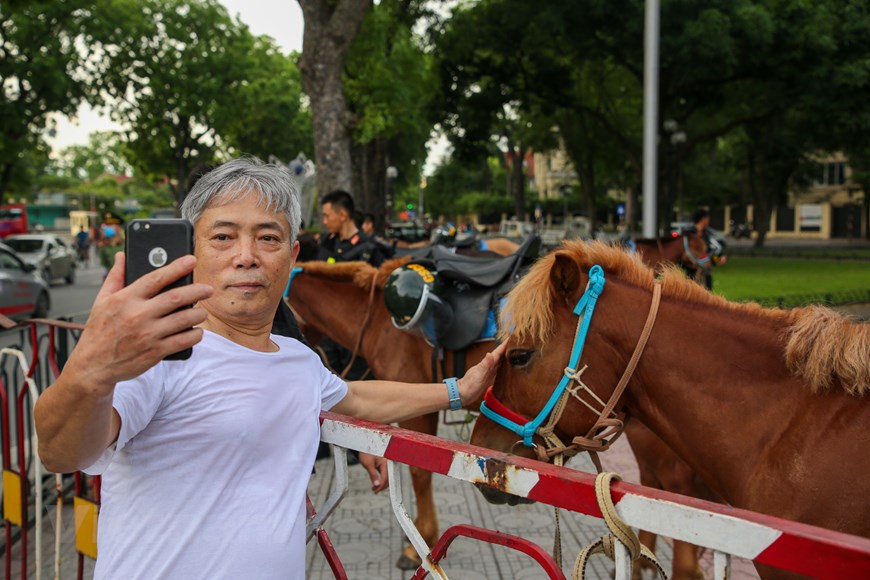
x=336 y=300
x=765 y=405
x=500 y=246
x=397 y=355
x=684 y=249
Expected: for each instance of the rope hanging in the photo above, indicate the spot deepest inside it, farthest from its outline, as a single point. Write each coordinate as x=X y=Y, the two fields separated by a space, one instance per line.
x=620 y=532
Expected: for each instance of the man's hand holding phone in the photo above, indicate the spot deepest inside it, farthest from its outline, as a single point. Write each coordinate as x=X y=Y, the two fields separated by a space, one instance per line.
x=132 y=328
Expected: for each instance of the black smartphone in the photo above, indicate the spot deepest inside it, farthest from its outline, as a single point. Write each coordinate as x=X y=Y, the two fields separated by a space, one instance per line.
x=152 y=244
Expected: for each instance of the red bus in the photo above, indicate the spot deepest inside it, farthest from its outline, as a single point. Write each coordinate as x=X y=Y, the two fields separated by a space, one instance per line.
x=13 y=219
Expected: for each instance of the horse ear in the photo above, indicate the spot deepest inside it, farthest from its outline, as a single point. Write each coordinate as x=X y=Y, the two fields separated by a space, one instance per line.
x=564 y=277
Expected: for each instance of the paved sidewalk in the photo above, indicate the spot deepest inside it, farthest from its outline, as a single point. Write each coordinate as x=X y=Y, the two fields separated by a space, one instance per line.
x=369 y=540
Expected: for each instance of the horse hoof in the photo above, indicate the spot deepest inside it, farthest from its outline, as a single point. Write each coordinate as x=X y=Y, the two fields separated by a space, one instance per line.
x=406 y=563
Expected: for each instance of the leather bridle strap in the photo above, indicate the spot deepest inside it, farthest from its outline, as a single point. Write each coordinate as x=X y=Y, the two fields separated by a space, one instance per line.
x=363 y=326
x=632 y=363
x=612 y=426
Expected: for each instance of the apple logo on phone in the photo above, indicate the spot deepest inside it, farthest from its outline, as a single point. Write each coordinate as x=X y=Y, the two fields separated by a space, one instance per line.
x=157 y=257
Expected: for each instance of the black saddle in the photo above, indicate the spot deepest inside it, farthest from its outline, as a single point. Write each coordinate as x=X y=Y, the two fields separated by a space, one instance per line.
x=486 y=272
x=473 y=286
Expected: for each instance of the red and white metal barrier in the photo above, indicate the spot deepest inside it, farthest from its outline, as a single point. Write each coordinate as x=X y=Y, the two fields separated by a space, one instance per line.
x=23 y=472
x=16 y=473
x=727 y=531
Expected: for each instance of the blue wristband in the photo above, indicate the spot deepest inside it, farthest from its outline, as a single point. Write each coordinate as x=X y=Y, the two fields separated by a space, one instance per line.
x=453 y=393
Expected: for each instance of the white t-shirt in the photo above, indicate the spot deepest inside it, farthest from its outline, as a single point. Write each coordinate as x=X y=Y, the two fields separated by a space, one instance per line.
x=210 y=470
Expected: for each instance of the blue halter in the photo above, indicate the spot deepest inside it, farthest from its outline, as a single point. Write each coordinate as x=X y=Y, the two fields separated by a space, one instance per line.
x=584 y=308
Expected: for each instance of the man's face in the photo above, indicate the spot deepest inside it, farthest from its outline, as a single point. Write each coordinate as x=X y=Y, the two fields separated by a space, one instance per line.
x=333 y=218
x=368 y=226
x=243 y=251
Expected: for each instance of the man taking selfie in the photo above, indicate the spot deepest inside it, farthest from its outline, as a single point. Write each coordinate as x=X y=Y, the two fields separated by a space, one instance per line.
x=206 y=461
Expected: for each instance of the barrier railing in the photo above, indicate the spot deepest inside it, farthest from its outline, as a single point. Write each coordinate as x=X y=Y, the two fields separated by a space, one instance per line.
x=31 y=355
x=17 y=468
x=726 y=531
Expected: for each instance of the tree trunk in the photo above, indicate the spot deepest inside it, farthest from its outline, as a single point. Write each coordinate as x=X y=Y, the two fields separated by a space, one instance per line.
x=330 y=27
x=758 y=184
x=516 y=180
x=370 y=178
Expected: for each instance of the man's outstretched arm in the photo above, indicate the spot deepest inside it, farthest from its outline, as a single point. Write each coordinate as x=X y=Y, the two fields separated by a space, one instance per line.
x=391 y=401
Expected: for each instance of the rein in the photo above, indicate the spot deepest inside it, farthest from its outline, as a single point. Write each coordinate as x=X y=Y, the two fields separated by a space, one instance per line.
x=298 y=270
x=608 y=426
x=363 y=326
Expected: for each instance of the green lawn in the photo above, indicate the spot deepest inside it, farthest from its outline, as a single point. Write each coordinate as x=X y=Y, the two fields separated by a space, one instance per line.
x=794 y=281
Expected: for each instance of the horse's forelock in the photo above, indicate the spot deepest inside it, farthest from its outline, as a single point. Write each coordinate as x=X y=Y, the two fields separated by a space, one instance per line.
x=826 y=348
x=528 y=314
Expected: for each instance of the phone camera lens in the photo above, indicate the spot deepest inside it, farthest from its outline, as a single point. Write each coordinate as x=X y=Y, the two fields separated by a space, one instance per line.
x=136 y=227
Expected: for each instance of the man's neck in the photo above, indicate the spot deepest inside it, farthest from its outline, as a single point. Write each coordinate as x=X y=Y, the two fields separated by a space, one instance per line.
x=348 y=230
x=252 y=337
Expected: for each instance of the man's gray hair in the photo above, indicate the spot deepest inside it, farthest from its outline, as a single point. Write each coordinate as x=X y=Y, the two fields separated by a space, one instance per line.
x=275 y=187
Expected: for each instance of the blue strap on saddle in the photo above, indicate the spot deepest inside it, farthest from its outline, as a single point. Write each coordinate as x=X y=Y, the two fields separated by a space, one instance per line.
x=585 y=308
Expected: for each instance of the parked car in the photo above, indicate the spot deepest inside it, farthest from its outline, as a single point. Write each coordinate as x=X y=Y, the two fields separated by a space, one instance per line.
x=23 y=292
x=52 y=256
x=407 y=232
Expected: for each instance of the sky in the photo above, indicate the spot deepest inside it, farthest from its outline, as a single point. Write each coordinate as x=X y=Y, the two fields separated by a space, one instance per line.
x=280 y=19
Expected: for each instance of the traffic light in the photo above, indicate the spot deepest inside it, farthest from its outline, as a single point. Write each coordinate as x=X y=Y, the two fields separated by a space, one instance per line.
x=410 y=206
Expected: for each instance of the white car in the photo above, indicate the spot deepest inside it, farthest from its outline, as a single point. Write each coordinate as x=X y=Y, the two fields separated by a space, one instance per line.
x=23 y=293
x=53 y=257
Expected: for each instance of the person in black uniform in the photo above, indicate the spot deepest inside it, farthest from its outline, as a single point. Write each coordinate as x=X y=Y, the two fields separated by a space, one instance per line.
x=344 y=242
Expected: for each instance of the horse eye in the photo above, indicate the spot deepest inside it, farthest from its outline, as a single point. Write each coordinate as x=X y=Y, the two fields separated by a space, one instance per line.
x=520 y=358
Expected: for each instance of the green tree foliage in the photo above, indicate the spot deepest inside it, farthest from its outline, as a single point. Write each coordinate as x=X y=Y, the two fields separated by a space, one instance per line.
x=175 y=67
x=389 y=83
x=269 y=117
x=42 y=48
x=193 y=85
x=764 y=66
x=103 y=154
x=455 y=188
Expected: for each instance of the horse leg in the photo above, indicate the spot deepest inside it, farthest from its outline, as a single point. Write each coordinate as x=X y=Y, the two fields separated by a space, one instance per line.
x=686 y=565
x=426 y=521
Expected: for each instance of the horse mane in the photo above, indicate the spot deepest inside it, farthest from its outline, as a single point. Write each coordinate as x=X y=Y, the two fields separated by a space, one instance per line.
x=826 y=348
x=360 y=273
x=823 y=347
